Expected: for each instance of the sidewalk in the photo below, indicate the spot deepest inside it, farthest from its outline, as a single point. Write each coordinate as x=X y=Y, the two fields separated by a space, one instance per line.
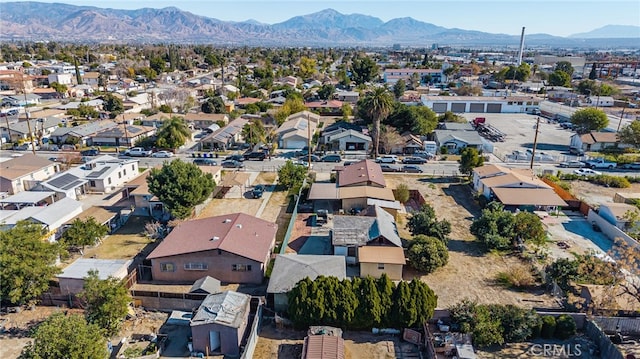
x=266 y=196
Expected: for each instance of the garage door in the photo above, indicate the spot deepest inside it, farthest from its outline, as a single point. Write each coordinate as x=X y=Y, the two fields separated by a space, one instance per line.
x=458 y=107
x=494 y=108
x=477 y=107
x=439 y=107
x=295 y=144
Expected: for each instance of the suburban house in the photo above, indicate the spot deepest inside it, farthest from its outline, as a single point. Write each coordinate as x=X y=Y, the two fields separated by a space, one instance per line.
x=352 y=237
x=346 y=140
x=348 y=96
x=455 y=141
x=203 y=120
x=219 y=324
x=83 y=134
x=597 y=141
x=22 y=100
x=481 y=104
x=297 y=130
x=63 y=79
x=289 y=269
x=226 y=136
x=233 y=248
x=91 y=78
x=515 y=188
x=600 y=101
x=71 y=280
x=51 y=217
x=27 y=199
x=25 y=172
x=41 y=127
x=617 y=213
x=122 y=135
x=362 y=173
x=424 y=76
x=326 y=108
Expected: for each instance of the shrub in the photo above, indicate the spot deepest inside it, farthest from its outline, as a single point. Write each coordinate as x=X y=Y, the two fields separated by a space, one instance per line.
x=402 y=193
x=548 y=327
x=565 y=327
x=516 y=277
x=427 y=254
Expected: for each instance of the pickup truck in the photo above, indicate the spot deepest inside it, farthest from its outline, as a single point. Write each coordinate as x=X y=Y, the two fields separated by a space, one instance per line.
x=600 y=163
x=137 y=152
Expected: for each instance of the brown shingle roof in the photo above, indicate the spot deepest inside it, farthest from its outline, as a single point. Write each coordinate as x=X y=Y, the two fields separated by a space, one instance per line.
x=237 y=233
x=489 y=170
x=363 y=171
x=323 y=347
x=21 y=166
x=381 y=254
x=601 y=137
x=528 y=197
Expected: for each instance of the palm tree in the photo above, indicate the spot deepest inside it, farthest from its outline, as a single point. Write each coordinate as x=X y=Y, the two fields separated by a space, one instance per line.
x=378 y=105
x=173 y=134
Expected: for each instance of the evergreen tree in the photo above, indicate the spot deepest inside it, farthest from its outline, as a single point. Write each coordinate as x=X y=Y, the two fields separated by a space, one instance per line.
x=425 y=300
x=107 y=301
x=84 y=233
x=593 y=74
x=404 y=308
x=368 y=312
x=328 y=286
x=300 y=306
x=348 y=303
x=385 y=290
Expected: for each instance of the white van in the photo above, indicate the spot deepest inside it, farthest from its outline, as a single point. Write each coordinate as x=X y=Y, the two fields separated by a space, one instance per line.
x=430 y=146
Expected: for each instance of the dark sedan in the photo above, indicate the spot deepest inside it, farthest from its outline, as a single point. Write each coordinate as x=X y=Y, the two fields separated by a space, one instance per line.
x=390 y=168
x=411 y=169
x=232 y=164
x=238 y=158
x=414 y=160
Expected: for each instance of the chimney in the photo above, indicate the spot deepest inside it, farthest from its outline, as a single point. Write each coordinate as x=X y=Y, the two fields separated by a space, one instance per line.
x=239 y=226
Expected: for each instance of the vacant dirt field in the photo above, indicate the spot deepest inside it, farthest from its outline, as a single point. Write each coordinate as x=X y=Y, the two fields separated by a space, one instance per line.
x=595 y=194
x=470 y=272
x=287 y=343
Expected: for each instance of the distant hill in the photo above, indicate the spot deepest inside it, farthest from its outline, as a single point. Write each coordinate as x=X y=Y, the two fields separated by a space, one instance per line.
x=611 y=32
x=62 y=22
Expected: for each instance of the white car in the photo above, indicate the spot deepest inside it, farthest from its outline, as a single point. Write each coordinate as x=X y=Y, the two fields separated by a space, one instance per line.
x=587 y=172
x=388 y=159
x=162 y=154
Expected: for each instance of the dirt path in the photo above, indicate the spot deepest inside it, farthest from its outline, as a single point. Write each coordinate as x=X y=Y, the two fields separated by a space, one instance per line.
x=470 y=272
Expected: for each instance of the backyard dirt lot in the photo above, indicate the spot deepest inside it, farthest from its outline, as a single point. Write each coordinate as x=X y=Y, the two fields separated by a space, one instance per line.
x=470 y=272
x=595 y=194
x=287 y=343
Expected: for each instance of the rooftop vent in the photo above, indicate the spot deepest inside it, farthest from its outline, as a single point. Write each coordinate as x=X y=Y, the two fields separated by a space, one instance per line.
x=228 y=220
x=215 y=238
x=238 y=226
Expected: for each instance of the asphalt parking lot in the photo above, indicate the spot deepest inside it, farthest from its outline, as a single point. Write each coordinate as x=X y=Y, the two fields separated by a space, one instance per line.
x=520 y=133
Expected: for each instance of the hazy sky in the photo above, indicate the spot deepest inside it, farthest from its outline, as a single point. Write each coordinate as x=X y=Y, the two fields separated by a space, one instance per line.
x=559 y=17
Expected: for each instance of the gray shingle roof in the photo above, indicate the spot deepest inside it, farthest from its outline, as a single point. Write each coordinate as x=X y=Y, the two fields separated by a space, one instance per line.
x=225 y=308
x=289 y=269
x=359 y=230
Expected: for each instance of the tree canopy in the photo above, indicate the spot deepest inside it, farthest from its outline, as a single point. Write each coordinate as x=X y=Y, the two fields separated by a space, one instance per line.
x=84 y=233
x=427 y=254
x=564 y=66
x=112 y=104
x=213 y=104
x=470 y=158
x=419 y=120
x=377 y=105
x=107 y=302
x=254 y=132
x=180 y=186
x=291 y=176
x=560 y=78
x=363 y=70
x=589 y=119
x=500 y=229
x=66 y=337
x=630 y=134
x=27 y=262
x=173 y=133
x=425 y=222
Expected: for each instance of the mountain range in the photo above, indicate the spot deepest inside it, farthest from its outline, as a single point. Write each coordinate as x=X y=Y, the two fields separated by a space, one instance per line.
x=62 y=22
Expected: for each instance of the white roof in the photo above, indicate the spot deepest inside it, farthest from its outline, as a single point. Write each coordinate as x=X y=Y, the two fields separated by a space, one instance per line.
x=105 y=267
x=28 y=197
x=65 y=207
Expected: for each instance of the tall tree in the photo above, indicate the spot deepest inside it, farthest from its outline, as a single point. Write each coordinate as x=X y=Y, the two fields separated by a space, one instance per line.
x=593 y=74
x=398 y=88
x=112 y=104
x=84 y=233
x=213 y=104
x=369 y=310
x=559 y=78
x=630 y=134
x=326 y=91
x=425 y=300
x=564 y=66
x=27 y=262
x=66 y=337
x=173 y=133
x=470 y=158
x=363 y=70
x=291 y=176
x=378 y=105
x=107 y=301
x=180 y=186
x=254 y=132
x=427 y=254
x=589 y=119
x=385 y=290
x=404 y=307
x=425 y=222
x=494 y=227
x=348 y=303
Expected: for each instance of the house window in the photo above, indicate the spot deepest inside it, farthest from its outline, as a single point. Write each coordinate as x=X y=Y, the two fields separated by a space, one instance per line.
x=241 y=267
x=92 y=183
x=219 y=251
x=124 y=171
x=109 y=180
x=380 y=265
x=133 y=167
x=351 y=251
x=196 y=266
x=167 y=267
x=119 y=175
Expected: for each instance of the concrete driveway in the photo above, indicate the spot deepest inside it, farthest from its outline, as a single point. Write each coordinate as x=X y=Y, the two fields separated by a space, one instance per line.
x=573 y=229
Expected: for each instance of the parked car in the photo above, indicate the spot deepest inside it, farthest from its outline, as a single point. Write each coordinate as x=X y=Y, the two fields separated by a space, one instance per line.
x=162 y=154
x=390 y=168
x=257 y=191
x=572 y=164
x=238 y=158
x=90 y=152
x=631 y=166
x=205 y=162
x=576 y=151
x=67 y=147
x=232 y=164
x=303 y=163
x=137 y=152
x=255 y=156
x=332 y=158
x=388 y=159
x=411 y=169
x=414 y=160
x=567 y=125
x=587 y=172
x=424 y=154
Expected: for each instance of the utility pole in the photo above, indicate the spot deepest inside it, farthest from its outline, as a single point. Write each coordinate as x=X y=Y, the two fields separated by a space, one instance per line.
x=308 y=144
x=622 y=116
x=26 y=111
x=535 y=142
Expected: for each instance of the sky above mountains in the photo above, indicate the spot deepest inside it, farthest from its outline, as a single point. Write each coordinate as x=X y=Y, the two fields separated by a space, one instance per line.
x=559 y=18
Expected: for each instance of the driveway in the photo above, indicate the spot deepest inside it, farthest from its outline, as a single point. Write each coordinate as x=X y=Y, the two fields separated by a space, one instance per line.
x=573 y=229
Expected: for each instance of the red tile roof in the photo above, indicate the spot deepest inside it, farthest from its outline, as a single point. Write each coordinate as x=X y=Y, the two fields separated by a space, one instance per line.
x=323 y=347
x=363 y=171
x=237 y=233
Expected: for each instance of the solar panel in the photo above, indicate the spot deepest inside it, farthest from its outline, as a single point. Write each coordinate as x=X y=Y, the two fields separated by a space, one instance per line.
x=96 y=174
x=73 y=184
x=63 y=181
